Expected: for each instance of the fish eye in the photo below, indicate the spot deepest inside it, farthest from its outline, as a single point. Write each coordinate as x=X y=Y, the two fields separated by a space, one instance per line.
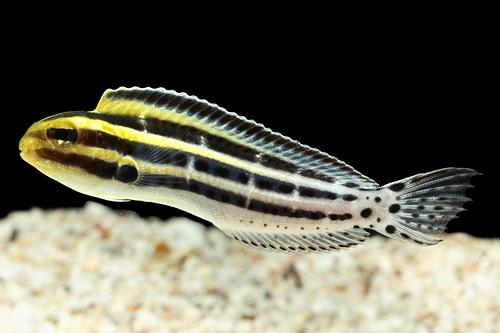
x=62 y=137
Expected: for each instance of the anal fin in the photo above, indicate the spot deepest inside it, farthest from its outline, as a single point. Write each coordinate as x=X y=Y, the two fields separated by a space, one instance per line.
x=299 y=242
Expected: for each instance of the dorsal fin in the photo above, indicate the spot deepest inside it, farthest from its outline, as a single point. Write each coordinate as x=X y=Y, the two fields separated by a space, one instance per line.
x=191 y=111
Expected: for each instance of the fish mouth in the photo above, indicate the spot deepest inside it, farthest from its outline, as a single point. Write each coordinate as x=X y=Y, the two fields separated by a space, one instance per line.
x=25 y=151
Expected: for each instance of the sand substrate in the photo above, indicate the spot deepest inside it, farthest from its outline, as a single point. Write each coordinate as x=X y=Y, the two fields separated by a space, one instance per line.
x=97 y=270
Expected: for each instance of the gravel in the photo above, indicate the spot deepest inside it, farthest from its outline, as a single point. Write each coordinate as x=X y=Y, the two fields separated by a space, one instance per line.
x=97 y=270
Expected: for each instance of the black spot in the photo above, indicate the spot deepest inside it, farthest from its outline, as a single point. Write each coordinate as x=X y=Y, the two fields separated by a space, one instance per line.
x=415 y=215
x=286 y=188
x=377 y=199
x=351 y=185
x=306 y=192
x=421 y=207
x=390 y=229
x=365 y=213
x=397 y=187
x=331 y=196
x=394 y=208
x=356 y=227
x=345 y=217
x=378 y=219
x=201 y=165
x=221 y=172
x=404 y=235
x=180 y=159
x=349 y=197
x=333 y=217
x=127 y=173
x=438 y=208
x=316 y=215
x=431 y=216
x=243 y=178
x=264 y=184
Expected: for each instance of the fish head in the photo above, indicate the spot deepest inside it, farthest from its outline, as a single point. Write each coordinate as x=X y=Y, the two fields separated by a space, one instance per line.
x=71 y=148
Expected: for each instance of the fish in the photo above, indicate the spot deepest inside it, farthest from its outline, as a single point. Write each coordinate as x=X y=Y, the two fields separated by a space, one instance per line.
x=259 y=187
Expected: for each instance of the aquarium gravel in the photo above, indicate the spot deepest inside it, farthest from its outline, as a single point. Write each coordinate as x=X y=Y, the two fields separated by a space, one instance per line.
x=97 y=270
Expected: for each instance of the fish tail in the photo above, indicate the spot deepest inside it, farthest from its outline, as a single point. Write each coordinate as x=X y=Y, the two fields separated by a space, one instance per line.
x=423 y=204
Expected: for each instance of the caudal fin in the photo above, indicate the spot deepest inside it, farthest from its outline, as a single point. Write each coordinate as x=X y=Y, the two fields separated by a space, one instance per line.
x=425 y=203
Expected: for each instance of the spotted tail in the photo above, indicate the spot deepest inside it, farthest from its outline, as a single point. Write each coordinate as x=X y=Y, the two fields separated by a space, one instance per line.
x=425 y=203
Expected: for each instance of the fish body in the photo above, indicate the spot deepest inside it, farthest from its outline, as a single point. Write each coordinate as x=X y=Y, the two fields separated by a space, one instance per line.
x=259 y=187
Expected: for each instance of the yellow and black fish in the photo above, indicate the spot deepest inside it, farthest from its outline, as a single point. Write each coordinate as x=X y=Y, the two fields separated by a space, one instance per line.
x=258 y=186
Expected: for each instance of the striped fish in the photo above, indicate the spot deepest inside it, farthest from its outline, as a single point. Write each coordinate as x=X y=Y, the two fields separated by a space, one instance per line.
x=259 y=187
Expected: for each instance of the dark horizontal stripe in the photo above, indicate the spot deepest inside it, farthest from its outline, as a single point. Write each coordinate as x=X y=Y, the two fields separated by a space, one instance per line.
x=273 y=185
x=220 y=170
x=193 y=135
x=340 y=217
x=310 y=192
x=154 y=154
x=160 y=155
x=349 y=197
x=178 y=183
x=315 y=175
x=93 y=166
x=278 y=164
x=214 y=193
x=268 y=208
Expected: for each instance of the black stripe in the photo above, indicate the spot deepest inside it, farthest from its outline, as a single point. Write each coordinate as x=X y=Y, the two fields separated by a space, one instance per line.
x=151 y=153
x=193 y=135
x=310 y=192
x=94 y=166
x=268 y=208
x=221 y=170
x=179 y=183
x=108 y=170
x=224 y=196
x=270 y=184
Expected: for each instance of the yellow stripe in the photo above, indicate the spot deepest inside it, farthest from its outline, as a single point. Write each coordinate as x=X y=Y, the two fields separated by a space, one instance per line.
x=170 y=143
x=140 y=109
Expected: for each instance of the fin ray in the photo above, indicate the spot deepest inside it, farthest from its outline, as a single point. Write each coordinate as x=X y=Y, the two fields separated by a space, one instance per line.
x=199 y=113
x=304 y=242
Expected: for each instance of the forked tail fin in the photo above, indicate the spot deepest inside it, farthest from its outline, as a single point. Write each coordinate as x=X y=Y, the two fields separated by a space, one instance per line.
x=425 y=203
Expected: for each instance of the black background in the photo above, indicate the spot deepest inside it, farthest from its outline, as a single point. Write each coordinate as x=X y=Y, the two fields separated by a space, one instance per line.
x=390 y=106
